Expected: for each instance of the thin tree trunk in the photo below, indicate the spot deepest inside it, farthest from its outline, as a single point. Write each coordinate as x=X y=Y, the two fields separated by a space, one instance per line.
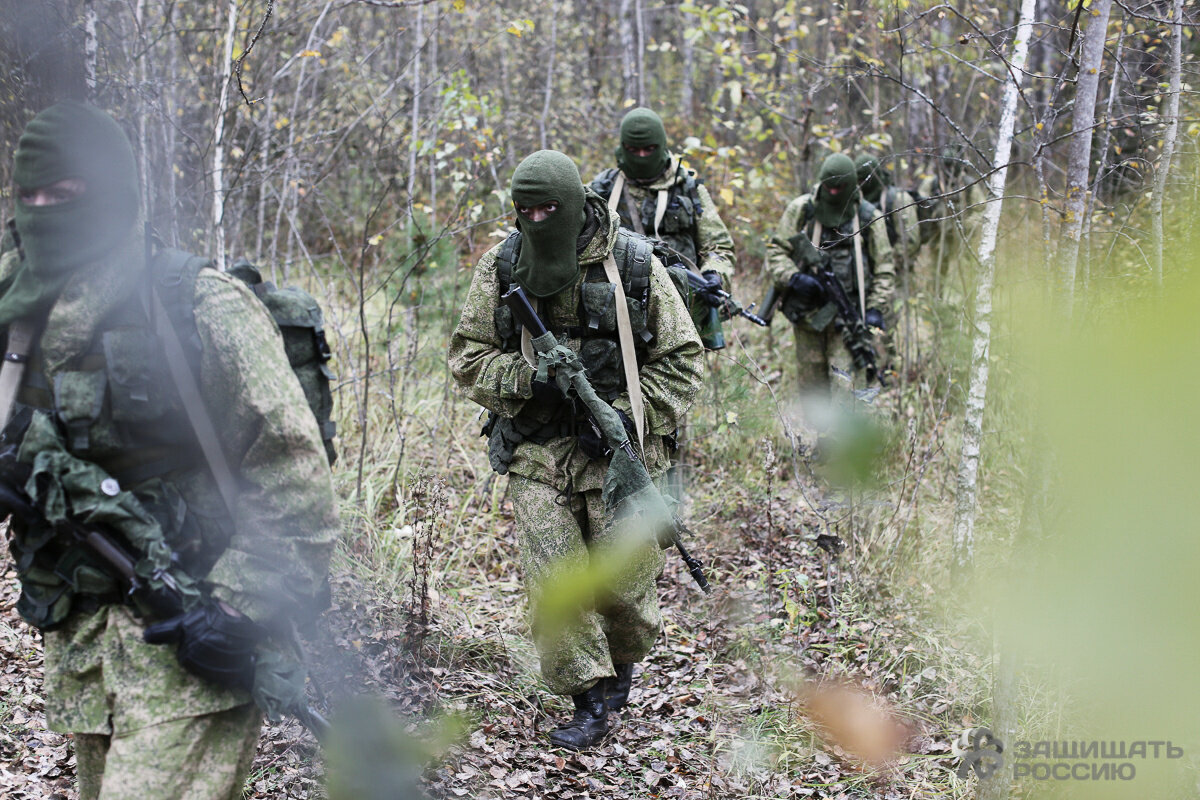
x=640 y=63
x=416 y=110
x=1102 y=169
x=968 y=469
x=549 y=74
x=218 y=162
x=628 y=53
x=686 y=89
x=1169 y=136
x=1079 y=157
x=90 y=47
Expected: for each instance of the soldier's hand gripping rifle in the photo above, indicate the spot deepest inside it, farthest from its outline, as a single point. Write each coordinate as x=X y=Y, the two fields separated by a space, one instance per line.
x=156 y=593
x=721 y=299
x=855 y=334
x=570 y=374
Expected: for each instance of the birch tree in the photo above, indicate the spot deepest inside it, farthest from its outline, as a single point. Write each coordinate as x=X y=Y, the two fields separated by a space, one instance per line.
x=1172 y=131
x=218 y=162
x=968 y=469
x=1079 y=157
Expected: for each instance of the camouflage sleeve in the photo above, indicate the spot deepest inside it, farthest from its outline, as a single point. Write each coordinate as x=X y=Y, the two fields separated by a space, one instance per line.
x=496 y=380
x=908 y=224
x=674 y=365
x=779 y=250
x=883 y=278
x=286 y=516
x=714 y=245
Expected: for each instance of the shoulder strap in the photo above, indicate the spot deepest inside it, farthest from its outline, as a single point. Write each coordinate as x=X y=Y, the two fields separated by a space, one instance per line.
x=171 y=307
x=506 y=259
x=21 y=333
x=193 y=403
x=858 y=264
x=628 y=356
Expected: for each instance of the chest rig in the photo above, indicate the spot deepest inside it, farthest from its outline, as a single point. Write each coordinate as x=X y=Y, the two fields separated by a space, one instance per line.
x=838 y=244
x=680 y=215
x=117 y=406
x=594 y=321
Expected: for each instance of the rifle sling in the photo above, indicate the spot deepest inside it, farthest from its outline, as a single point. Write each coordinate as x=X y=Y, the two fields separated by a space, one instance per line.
x=21 y=333
x=858 y=259
x=193 y=405
x=628 y=356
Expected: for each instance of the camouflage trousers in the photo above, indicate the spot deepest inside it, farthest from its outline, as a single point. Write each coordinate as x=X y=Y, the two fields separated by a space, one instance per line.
x=195 y=758
x=823 y=364
x=592 y=589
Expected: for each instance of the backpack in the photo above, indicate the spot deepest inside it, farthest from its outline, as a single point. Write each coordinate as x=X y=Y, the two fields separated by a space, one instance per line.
x=296 y=312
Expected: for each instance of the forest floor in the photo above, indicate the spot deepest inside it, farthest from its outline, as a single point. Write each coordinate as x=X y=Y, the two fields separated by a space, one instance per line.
x=824 y=685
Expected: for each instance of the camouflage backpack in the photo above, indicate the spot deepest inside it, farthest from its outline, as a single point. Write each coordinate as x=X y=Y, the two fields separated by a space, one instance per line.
x=295 y=311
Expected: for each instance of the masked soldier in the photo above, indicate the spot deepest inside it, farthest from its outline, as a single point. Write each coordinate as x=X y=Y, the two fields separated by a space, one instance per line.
x=590 y=279
x=655 y=195
x=98 y=434
x=830 y=230
x=897 y=206
x=952 y=214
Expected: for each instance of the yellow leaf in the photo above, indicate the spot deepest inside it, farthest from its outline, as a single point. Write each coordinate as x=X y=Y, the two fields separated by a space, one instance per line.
x=1039 y=126
x=310 y=53
x=375 y=240
x=282 y=122
x=514 y=30
x=727 y=196
x=460 y=5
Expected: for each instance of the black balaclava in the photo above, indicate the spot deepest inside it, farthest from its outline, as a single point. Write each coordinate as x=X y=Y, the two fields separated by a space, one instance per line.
x=873 y=179
x=641 y=127
x=548 y=262
x=68 y=140
x=837 y=192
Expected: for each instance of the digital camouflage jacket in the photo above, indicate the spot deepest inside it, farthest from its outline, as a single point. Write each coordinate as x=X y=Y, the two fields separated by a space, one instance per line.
x=500 y=381
x=697 y=233
x=99 y=675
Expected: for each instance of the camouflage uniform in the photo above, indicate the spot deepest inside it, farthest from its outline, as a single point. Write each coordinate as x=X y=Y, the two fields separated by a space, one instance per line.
x=822 y=359
x=144 y=726
x=955 y=222
x=697 y=233
x=556 y=488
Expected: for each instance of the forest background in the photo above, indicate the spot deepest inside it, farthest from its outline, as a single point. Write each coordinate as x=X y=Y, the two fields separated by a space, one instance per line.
x=362 y=149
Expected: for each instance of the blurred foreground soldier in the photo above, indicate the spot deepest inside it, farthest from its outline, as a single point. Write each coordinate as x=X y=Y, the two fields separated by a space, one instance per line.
x=823 y=237
x=100 y=438
x=657 y=196
x=897 y=207
x=613 y=312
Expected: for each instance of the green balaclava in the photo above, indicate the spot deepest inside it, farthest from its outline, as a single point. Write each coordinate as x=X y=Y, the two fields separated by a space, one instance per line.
x=641 y=127
x=68 y=140
x=549 y=260
x=837 y=192
x=873 y=179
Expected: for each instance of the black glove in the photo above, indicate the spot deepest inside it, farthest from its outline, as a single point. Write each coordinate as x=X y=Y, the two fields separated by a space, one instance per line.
x=592 y=443
x=874 y=319
x=709 y=291
x=214 y=644
x=546 y=393
x=808 y=289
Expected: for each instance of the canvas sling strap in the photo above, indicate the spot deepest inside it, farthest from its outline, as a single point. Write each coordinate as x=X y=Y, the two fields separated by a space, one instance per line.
x=858 y=261
x=193 y=405
x=635 y=214
x=628 y=355
x=21 y=334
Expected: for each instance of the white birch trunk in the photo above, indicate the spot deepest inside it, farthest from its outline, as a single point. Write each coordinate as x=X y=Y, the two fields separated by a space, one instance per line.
x=549 y=74
x=90 y=47
x=416 y=110
x=1169 y=136
x=968 y=465
x=218 y=162
x=628 y=53
x=1079 y=158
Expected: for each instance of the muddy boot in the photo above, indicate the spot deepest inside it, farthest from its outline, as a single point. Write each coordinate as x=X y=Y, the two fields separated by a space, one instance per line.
x=616 y=693
x=590 y=722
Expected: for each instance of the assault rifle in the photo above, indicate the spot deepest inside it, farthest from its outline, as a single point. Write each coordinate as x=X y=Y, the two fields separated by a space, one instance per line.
x=523 y=311
x=855 y=334
x=158 y=594
x=731 y=307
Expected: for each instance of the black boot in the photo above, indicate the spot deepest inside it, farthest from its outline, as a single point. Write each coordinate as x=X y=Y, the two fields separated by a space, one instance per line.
x=616 y=693
x=590 y=722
